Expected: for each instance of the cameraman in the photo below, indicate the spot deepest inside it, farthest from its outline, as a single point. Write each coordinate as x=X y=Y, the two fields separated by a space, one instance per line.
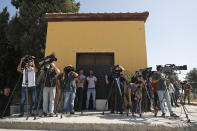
x=116 y=92
x=160 y=81
x=137 y=77
x=31 y=84
x=66 y=82
x=134 y=94
x=49 y=89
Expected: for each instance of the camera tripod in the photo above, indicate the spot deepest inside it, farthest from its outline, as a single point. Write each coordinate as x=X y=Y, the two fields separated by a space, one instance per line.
x=26 y=84
x=150 y=94
x=41 y=93
x=116 y=87
x=61 y=96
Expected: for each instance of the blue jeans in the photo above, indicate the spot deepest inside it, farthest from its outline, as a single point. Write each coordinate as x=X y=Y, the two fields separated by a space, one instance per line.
x=161 y=95
x=32 y=93
x=174 y=99
x=67 y=95
x=93 y=92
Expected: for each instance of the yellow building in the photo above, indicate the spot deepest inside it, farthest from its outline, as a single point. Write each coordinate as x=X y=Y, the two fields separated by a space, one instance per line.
x=97 y=41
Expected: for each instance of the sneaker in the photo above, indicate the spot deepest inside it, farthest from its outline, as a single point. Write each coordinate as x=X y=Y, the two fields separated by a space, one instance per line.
x=33 y=114
x=155 y=114
x=121 y=112
x=112 y=112
x=163 y=115
x=21 y=115
x=173 y=115
x=44 y=114
x=72 y=113
x=133 y=115
x=51 y=115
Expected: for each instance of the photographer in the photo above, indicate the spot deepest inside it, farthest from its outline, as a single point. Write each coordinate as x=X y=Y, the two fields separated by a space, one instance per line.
x=134 y=94
x=137 y=77
x=160 y=81
x=49 y=89
x=118 y=72
x=31 y=87
x=66 y=82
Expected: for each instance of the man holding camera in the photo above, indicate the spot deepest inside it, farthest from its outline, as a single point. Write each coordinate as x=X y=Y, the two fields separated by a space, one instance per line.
x=134 y=95
x=66 y=82
x=29 y=81
x=49 y=89
x=160 y=81
x=117 y=89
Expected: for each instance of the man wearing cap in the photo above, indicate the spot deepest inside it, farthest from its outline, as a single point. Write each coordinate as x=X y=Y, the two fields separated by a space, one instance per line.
x=160 y=81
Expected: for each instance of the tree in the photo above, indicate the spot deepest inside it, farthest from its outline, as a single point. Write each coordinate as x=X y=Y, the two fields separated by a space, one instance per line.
x=191 y=77
x=25 y=33
x=4 y=17
x=33 y=24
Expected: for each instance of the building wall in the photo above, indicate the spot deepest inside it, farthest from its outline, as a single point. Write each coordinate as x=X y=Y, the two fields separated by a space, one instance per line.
x=125 y=38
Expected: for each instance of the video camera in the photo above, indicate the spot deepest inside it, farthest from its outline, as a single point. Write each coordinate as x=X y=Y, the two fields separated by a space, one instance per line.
x=26 y=60
x=51 y=58
x=68 y=69
x=169 y=68
x=115 y=70
x=146 y=73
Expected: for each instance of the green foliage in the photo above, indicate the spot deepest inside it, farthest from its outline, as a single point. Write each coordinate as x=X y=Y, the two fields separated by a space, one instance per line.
x=33 y=23
x=191 y=77
x=7 y=53
x=26 y=32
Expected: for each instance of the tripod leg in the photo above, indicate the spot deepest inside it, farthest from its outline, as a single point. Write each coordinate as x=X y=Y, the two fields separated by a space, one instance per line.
x=10 y=98
x=185 y=110
x=39 y=102
x=62 y=109
x=109 y=95
x=58 y=103
x=140 y=106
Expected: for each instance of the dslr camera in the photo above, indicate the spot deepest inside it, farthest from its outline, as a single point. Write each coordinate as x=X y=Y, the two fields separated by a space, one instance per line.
x=51 y=58
x=115 y=70
x=146 y=73
x=26 y=60
x=68 y=69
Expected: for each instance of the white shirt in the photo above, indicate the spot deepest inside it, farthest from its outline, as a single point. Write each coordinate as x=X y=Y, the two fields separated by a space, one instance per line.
x=81 y=77
x=171 y=88
x=31 y=78
x=91 y=82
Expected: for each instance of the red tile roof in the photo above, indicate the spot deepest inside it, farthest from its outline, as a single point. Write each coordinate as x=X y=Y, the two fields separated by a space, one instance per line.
x=56 y=17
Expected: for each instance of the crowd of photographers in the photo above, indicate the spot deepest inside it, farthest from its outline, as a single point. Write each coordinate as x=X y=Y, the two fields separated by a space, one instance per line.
x=145 y=92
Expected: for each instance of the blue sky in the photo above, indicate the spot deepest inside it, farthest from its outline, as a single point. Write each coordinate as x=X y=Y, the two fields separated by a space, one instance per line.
x=171 y=28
